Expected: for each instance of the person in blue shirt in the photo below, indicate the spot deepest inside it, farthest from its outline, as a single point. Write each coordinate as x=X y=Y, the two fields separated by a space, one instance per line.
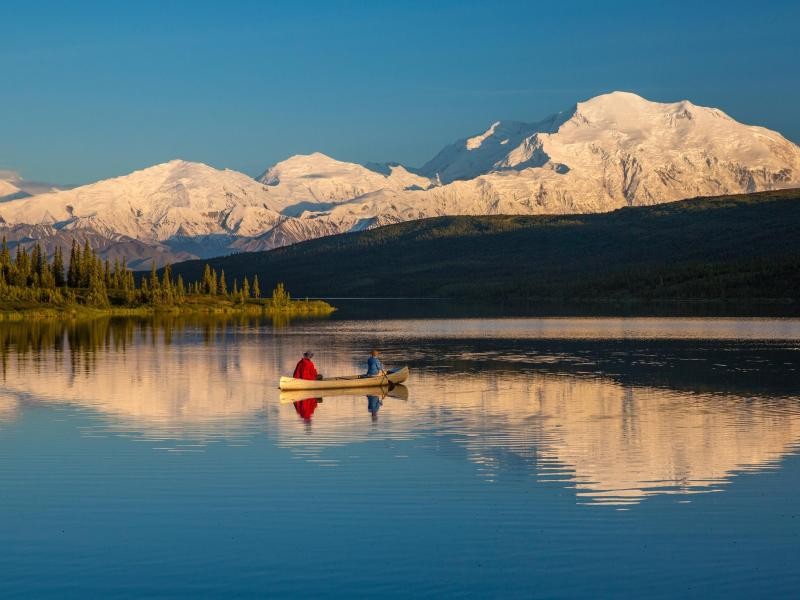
x=373 y=406
x=374 y=365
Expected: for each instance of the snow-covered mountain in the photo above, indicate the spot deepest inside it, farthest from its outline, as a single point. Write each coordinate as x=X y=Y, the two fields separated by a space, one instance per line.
x=8 y=188
x=315 y=182
x=613 y=150
x=168 y=207
x=480 y=154
x=174 y=199
x=13 y=186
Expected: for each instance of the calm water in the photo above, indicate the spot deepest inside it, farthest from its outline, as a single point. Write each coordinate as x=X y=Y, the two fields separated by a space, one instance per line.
x=524 y=458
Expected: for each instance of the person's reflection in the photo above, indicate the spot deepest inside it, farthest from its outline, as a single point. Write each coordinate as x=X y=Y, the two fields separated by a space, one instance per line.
x=373 y=406
x=305 y=408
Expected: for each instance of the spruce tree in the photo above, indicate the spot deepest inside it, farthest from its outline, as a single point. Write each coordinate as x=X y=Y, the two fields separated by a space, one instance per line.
x=47 y=280
x=153 y=285
x=207 y=279
x=166 y=285
x=166 y=278
x=21 y=267
x=5 y=255
x=126 y=277
x=256 y=288
x=37 y=261
x=97 y=295
x=5 y=262
x=280 y=297
x=58 y=267
x=245 y=288
x=107 y=273
x=128 y=284
x=73 y=271
x=116 y=275
x=86 y=264
x=223 y=286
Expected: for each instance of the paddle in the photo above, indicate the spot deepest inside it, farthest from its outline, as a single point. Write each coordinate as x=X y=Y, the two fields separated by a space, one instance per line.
x=388 y=381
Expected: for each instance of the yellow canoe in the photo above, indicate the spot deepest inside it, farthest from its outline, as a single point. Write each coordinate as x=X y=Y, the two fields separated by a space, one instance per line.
x=353 y=381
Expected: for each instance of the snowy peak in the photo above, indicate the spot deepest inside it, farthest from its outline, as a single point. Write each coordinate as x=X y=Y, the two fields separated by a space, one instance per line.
x=489 y=151
x=616 y=106
x=13 y=186
x=666 y=136
x=310 y=166
x=470 y=157
x=175 y=172
x=499 y=133
x=629 y=113
x=156 y=203
x=670 y=133
x=316 y=182
x=614 y=150
x=8 y=188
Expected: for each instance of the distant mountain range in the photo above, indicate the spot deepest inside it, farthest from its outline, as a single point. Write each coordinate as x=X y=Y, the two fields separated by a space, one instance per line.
x=612 y=151
x=730 y=248
x=14 y=187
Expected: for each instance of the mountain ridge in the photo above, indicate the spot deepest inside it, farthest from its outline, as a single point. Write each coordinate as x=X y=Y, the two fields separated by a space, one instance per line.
x=613 y=150
x=726 y=248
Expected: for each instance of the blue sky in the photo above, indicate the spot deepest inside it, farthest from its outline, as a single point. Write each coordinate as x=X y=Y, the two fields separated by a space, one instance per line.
x=95 y=89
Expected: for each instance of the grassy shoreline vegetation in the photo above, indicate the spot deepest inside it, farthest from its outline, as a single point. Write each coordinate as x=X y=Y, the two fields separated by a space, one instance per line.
x=33 y=287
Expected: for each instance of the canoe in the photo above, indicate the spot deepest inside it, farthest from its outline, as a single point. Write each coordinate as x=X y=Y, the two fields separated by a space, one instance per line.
x=399 y=392
x=353 y=381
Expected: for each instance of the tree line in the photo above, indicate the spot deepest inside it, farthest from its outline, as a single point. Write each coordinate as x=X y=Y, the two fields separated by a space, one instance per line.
x=87 y=279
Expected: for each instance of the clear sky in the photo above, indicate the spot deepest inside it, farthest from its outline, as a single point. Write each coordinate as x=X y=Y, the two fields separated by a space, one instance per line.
x=95 y=89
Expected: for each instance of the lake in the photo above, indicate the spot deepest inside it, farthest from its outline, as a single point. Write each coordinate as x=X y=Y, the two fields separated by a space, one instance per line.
x=525 y=457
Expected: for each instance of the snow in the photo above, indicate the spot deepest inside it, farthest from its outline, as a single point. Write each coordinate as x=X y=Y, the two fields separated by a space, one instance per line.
x=471 y=157
x=155 y=203
x=13 y=186
x=316 y=179
x=7 y=188
x=614 y=150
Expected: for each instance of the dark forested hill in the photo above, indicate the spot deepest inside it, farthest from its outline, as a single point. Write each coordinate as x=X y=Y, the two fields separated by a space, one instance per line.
x=744 y=247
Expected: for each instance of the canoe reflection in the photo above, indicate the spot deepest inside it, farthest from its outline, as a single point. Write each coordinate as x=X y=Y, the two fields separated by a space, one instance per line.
x=305 y=407
x=399 y=392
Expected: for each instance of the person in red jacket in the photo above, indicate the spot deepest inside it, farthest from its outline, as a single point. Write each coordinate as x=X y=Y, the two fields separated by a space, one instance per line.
x=305 y=369
x=305 y=408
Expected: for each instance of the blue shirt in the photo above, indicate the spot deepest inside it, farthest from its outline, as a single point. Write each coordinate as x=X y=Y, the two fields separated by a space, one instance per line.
x=374 y=365
x=373 y=404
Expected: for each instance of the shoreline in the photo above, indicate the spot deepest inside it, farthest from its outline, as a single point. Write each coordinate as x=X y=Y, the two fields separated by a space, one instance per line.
x=34 y=311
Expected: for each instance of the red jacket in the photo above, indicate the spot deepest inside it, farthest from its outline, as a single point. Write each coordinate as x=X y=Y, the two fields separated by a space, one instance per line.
x=305 y=408
x=305 y=369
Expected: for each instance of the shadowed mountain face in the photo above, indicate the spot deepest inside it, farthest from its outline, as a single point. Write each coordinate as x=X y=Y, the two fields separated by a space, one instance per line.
x=608 y=152
x=657 y=408
x=729 y=248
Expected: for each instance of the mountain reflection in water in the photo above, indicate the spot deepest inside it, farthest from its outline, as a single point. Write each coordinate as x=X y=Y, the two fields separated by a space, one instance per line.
x=616 y=419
